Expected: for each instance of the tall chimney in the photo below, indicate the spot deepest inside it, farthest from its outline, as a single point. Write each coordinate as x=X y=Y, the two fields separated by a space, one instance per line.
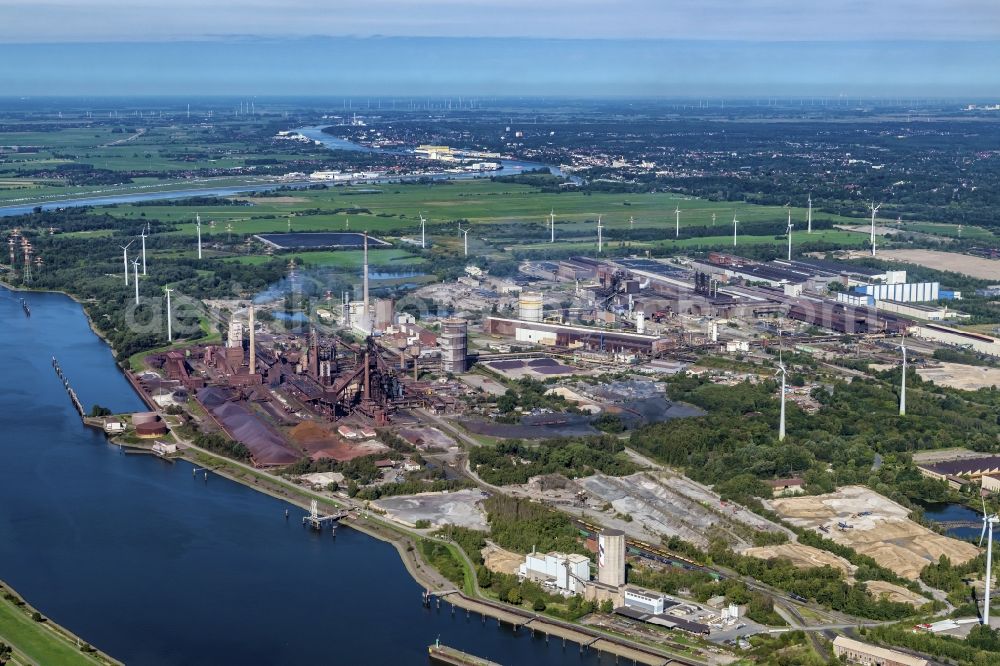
x=365 y=299
x=253 y=344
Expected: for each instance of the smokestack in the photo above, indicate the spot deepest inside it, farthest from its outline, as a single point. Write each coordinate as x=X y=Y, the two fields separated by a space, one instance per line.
x=366 y=276
x=253 y=345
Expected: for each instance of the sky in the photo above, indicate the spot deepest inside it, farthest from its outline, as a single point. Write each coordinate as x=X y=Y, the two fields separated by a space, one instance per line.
x=553 y=47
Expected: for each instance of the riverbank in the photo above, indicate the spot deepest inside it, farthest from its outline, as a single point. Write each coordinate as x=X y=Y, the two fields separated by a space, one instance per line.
x=439 y=588
x=406 y=541
x=41 y=641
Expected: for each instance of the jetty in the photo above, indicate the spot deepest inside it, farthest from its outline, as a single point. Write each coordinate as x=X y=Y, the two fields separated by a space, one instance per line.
x=449 y=655
x=69 y=389
x=316 y=521
x=26 y=308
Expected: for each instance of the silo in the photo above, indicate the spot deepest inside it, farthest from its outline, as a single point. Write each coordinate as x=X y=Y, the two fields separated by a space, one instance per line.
x=454 y=344
x=530 y=306
x=611 y=558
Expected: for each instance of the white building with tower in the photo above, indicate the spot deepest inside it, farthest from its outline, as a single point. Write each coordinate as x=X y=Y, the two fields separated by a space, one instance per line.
x=566 y=573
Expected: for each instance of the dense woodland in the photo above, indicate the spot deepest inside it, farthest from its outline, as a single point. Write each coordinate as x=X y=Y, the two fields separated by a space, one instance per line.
x=512 y=461
x=857 y=420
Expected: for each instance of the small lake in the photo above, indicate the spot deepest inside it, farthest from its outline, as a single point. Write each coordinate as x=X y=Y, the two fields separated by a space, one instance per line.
x=950 y=513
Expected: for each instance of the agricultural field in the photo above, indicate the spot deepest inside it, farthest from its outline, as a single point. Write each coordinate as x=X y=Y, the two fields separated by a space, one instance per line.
x=398 y=206
x=502 y=217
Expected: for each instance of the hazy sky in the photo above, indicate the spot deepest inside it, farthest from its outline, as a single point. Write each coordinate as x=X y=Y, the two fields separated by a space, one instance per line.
x=827 y=20
x=562 y=47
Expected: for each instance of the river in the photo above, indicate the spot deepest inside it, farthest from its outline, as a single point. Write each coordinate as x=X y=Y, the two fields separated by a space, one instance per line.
x=315 y=133
x=157 y=567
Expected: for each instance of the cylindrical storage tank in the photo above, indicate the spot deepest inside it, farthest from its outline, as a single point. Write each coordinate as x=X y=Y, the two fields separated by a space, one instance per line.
x=530 y=306
x=611 y=558
x=454 y=342
x=640 y=322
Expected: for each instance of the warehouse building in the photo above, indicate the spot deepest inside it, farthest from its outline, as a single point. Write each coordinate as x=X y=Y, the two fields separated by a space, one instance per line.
x=857 y=652
x=983 y=344
x=563 y=335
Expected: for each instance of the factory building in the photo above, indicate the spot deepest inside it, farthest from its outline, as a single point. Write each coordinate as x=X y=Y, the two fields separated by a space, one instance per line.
x=646 y=601
x=611 y=557
x=856 y=652
x=845 y=318
x=919 y=311
x=567 y=573
x=564 y=335
x=907 y=292
x=454 y=345
x=984 y=344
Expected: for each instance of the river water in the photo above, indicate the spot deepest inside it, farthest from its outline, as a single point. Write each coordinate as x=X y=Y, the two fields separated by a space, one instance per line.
x=510 y=167
x=157 y=567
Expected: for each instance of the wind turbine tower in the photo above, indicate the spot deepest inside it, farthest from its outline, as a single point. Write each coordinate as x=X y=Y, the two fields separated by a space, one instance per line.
x=465 y=235
x=197 y=225
x=552 y=226
x=423 y=232
x=677 y=222
x=874 y=208
x=735 y=222
x=789 y=232
x=781 y=421
x=135 y=263
x=170 y=330
x=809 y=215
x=902 y=384
x=988 y=522
x=143 y=237
x=125 y=258
x=600 y=237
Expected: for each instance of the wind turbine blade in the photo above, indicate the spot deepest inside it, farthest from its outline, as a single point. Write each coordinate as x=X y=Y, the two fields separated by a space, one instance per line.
x=983 y=533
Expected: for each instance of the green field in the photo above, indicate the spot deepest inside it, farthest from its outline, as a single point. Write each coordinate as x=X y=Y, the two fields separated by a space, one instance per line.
x=342 y=258
x=36 y=642
x=397 y=207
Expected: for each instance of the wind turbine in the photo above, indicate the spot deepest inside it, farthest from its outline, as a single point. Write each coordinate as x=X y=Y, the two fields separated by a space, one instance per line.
x=789 y=232
x=874 y=208
x=552 y=225
x=170 y=332
x=809 y=215
x=600 y=239
x=229 y=233
x=197 y=225
x=125 y=258
x=143 y=237
x=988 y=522
x=781 y=371
x=734 y=228
x=902 y=385
x=423 y=232
x=135 y=263
x=713 y=219
x=677 y=222
x=465 y=233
